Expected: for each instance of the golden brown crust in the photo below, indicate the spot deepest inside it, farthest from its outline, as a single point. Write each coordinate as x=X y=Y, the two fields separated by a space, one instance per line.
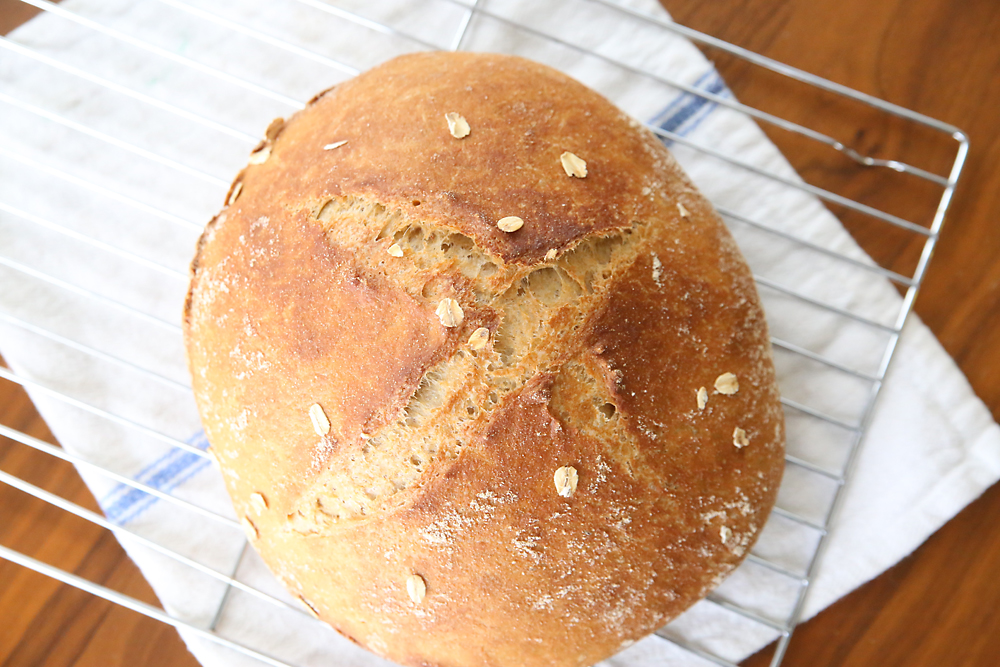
x=370 y=444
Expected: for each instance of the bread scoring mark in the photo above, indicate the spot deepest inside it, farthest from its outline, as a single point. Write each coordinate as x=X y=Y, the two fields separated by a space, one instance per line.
x=473 y=382
x=369 y=229
x=289 y=334
x=579 y=395
x=581 y=547
x=473 y=181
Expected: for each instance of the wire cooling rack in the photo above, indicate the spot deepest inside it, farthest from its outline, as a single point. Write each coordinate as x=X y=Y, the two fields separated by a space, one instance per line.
x=118 y=61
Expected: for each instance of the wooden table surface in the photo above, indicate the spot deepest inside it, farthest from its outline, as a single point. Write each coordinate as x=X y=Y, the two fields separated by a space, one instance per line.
x=939 y=57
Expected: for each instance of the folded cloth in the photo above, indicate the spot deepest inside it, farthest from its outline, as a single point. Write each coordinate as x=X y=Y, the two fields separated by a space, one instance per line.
x=931 y=446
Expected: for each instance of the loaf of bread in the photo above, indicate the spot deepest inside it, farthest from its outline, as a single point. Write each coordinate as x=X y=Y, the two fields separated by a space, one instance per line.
x=488 y=380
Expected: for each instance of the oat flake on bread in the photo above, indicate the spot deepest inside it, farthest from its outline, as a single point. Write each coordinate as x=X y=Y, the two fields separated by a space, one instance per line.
x=441 y=445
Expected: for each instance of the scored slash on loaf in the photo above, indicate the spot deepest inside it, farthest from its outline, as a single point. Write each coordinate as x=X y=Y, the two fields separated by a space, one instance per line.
x=429 y=410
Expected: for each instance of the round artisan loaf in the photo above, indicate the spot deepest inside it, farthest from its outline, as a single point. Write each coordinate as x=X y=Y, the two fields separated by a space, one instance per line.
x=463 y=443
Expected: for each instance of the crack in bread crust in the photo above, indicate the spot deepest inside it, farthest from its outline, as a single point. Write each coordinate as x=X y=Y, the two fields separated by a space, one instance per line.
x=537 y=317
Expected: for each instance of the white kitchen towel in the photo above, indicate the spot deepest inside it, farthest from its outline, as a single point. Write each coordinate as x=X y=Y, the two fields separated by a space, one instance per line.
x=71 y=179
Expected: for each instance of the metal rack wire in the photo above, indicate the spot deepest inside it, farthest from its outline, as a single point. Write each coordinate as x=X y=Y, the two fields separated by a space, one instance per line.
x=478 y=24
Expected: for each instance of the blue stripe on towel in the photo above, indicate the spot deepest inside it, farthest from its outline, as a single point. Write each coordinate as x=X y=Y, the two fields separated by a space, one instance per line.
x=689 y=110
x=124 y=503
x=671 y=108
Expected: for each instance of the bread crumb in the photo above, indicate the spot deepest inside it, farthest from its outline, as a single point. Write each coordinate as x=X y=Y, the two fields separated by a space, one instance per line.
x=740 y=438
x=573 y=165
x=320 y=422
x=395 y=250
x=336 y=144
x=727 y=384
x=725 y=533
x=551 y=254
x=657 y=270
x=457 y=125
x=511 y=223
x=416 y=588
x=566 y=480
x=479 y=338
x=683 y=211
x=450 y=313
x=702 y=398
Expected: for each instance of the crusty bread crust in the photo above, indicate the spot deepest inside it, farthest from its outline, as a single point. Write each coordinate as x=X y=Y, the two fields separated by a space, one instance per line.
x=396 y=465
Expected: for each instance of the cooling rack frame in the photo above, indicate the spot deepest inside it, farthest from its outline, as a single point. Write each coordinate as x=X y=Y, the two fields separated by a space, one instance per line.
x=909 y=284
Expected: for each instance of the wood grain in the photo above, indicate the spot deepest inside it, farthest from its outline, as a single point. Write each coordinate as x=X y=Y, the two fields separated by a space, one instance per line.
x=43 y=622
x=935 y=608
x=13 y=13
